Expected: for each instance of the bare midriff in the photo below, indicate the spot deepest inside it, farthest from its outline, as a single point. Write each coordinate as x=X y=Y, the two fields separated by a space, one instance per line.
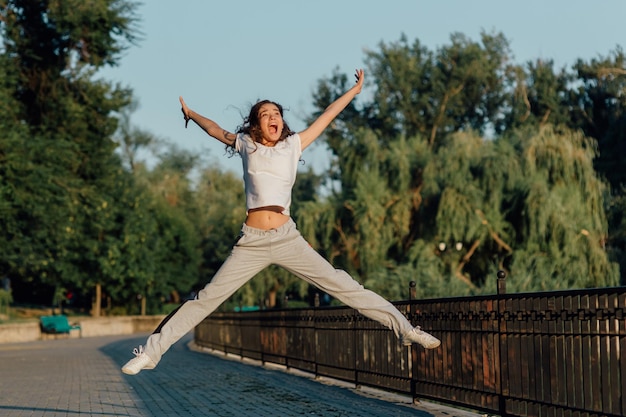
x=266 y=218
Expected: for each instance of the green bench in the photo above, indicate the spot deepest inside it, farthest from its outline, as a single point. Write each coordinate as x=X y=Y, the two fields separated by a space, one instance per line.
x=57 y=324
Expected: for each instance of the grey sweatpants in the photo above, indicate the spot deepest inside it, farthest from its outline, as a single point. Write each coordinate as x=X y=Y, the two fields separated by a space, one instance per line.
x=255 y=250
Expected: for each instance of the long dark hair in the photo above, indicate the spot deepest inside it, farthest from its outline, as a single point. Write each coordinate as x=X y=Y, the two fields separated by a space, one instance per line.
x=251 y=125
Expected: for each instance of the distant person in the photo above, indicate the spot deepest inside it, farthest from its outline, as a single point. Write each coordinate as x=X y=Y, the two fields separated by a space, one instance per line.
x=270 y=152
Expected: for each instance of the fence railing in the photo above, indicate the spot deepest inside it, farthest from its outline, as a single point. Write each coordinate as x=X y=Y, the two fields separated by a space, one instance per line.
x=532 y=354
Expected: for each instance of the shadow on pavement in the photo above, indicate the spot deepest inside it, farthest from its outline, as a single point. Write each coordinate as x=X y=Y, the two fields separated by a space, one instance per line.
x=189 y=383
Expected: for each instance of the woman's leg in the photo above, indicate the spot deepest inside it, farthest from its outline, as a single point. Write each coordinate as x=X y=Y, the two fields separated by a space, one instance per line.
x=249 y=256
x=296 y=255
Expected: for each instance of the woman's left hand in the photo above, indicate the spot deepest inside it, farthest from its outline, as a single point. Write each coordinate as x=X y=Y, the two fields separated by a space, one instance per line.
x=185 y=110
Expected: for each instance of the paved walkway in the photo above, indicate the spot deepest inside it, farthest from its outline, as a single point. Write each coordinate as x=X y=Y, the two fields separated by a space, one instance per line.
x=82 y=377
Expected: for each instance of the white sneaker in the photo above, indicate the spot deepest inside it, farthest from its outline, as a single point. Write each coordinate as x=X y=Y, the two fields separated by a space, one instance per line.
x=139 y=362
x=420 y=337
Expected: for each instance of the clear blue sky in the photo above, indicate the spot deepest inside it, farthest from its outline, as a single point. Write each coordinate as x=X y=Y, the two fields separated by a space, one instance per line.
x=222 y=56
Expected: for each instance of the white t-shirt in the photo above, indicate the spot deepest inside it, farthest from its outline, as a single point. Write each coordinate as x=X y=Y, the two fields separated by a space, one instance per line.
x=269 y=172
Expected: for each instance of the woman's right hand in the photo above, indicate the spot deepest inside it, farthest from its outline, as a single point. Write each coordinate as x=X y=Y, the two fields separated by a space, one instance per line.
x=185 y=110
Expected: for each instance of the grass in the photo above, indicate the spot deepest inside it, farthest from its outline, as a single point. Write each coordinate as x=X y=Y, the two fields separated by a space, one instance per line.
x=29 y=313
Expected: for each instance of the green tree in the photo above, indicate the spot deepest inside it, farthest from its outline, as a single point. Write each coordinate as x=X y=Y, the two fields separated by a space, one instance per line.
x=598 y=101
x=62 y=180
x=540 y=96
x=56 y=46
x=169 y=253
x=132 y=141
x=219 y=208
x=460 y=86
x=616 y=243
x=564 y=224
x=425 y=196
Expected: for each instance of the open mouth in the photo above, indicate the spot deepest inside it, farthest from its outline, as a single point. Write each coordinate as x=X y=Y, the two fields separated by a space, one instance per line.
x=273 y=128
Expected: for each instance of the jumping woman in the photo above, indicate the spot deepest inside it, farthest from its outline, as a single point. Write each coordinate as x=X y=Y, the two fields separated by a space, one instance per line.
x=270 y=152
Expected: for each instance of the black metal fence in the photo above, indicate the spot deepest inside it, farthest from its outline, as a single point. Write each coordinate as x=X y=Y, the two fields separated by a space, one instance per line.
x=533 y=354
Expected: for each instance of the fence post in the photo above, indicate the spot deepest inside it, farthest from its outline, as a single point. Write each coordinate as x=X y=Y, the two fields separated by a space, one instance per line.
x=498 y=360
x=413 y=358
x=501 y=282
x=412 y=296
x=412 y=290
x=316 y=305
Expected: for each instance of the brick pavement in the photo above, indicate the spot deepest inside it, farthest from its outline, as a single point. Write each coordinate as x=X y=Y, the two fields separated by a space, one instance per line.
x=82 y=377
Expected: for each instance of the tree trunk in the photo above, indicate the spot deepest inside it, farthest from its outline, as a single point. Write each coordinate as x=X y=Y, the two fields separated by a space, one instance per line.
x=271 y=299
x=97 y=304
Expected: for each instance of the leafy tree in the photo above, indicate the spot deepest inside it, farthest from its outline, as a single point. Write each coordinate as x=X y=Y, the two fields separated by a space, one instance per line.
x=425 y=196
x=132 y=140
x=616 y=243
x=56 y=45
x=219 y=208
x=170 y=239
x=591 y=98
x=598 y=103
x=540 y=96
x=460 y=86
x=40 y=209
x=62 y=179
x=565 y=225
x=599 y=100
x=383 y=148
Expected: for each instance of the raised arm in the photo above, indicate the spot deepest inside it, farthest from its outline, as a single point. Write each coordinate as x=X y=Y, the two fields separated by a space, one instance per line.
x=308 y=135
x=208 y=125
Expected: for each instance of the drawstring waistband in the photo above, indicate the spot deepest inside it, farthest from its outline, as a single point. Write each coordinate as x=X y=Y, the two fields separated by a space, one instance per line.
x=253 y=230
